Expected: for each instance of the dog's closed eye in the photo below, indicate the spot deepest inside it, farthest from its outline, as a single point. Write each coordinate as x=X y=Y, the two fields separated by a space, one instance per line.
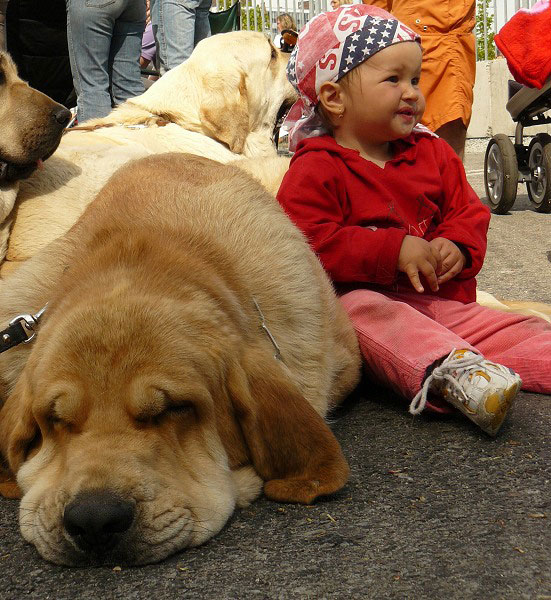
x=160 y=405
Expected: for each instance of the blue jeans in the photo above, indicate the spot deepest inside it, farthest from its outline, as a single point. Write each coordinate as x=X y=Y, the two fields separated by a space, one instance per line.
x=105 y=40
x=3 y=9
x=178 y=25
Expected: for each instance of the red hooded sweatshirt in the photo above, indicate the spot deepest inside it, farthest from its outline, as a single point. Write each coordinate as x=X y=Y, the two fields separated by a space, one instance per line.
x=356 y=214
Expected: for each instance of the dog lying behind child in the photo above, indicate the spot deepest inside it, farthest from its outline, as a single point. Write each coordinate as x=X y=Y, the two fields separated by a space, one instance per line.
x=186 y=360
x=222 y=103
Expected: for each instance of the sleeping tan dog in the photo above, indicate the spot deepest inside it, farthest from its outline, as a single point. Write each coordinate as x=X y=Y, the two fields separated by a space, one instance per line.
x=31 y=125
x=222 y=103
x=186 y=358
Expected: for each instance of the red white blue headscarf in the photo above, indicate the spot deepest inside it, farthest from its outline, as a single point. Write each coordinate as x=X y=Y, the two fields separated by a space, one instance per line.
x=328 y=47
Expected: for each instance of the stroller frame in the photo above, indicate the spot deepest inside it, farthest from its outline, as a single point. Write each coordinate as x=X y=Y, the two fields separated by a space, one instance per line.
x=507 y=164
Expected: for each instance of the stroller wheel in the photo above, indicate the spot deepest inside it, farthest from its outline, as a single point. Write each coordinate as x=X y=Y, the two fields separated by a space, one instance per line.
x=500 y=174
x=539 y=162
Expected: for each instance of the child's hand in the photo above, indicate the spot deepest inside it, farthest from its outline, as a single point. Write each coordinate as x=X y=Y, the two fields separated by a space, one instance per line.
x=453 y=260
x=418 y=255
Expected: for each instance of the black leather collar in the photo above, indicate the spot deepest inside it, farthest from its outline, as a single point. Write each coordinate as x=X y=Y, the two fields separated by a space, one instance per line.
x=13 y=335
x=10 y=172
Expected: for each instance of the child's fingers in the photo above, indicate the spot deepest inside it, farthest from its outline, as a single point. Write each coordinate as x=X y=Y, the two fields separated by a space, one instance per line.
x=444 y=267
x=413 y=275
x=450 y=273
x=438 y=257
x=450 y=258
x=429 y=272
x=427 y=269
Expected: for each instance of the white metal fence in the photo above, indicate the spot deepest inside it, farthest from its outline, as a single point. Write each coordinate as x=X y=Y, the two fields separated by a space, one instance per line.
x=261 y=15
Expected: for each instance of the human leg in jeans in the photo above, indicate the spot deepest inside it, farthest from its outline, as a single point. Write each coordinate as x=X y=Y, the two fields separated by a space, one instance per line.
x=3 y=9
x=90 y=34
x=202 y=24
x=178 y=25
x=126 y=46
x=404 y=335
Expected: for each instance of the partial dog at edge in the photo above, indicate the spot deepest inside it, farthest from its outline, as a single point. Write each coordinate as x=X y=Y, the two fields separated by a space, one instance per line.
x=186 y=360
x=31 y=126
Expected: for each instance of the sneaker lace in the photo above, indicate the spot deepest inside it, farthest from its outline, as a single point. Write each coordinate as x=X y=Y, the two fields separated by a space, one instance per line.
x=443 y=372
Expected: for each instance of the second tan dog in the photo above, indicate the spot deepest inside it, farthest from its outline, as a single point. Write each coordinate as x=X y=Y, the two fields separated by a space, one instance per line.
x=31 y=125
x=221 y=103
x=187 y=358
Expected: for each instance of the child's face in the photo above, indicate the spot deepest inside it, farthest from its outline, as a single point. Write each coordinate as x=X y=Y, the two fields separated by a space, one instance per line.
x=382 y=100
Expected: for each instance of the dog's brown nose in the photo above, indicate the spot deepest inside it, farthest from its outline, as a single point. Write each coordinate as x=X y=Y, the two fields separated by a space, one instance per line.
x=95 y=520
x=62 y=115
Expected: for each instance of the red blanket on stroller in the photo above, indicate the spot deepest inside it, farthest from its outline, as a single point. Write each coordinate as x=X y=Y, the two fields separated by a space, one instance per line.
x=524 y=41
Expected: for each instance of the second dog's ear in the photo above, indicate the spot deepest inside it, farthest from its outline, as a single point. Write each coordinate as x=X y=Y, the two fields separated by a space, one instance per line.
x=224 y=111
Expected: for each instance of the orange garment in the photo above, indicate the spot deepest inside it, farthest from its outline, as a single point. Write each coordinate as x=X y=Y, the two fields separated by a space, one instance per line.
x=449 y=55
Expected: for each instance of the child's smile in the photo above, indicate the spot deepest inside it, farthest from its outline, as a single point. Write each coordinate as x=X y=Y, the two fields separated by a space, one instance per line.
x=408 y=114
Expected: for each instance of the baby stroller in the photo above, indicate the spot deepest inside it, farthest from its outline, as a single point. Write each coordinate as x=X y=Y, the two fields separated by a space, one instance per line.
x=524 y=42
x=507 y=164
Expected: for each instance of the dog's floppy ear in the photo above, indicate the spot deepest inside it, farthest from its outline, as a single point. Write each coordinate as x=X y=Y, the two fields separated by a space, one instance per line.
x=289 y=444
x=19 y=433
x=224 y=111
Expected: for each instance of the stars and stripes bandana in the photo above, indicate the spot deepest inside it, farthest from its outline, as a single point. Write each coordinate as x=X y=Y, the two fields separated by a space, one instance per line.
x=328 y=47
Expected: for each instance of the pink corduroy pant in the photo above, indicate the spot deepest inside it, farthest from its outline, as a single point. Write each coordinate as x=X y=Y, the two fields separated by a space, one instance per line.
x=402 y=333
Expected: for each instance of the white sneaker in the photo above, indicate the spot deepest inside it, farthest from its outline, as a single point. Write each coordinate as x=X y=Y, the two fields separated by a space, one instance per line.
x=480 y=389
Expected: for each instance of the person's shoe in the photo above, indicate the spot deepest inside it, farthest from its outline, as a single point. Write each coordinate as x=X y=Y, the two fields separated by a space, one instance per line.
x=480 y=389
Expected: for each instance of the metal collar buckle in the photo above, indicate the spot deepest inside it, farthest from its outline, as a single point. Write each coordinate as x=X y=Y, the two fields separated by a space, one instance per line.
x=21 y=330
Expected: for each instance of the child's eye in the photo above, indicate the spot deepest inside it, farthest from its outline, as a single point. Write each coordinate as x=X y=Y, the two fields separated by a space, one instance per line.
x=393 y=79
x=415 y=81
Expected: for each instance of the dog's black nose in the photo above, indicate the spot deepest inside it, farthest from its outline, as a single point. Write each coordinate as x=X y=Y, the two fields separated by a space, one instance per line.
x=95 y=520
x=62 y=115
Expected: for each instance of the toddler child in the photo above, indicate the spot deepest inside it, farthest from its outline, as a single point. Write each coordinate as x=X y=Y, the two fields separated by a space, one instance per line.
x=386 y=206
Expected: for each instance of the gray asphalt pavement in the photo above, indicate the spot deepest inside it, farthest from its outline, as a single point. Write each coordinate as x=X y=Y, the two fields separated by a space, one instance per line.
x=434 y=508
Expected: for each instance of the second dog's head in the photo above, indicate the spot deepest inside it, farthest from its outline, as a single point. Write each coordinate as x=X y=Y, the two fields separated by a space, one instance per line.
x=31 y=124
